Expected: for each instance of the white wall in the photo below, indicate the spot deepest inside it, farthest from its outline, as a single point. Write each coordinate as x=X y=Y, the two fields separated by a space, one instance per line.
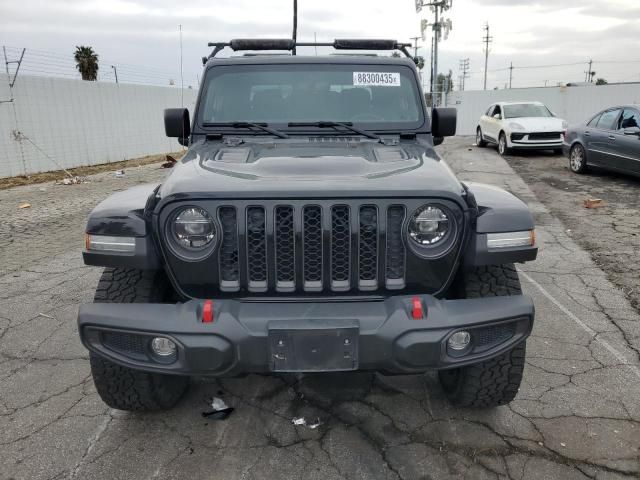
x=79 y=123
x=574 y=104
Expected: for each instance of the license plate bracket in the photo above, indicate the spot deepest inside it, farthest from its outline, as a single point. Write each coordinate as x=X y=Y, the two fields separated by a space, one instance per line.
x=313 y=345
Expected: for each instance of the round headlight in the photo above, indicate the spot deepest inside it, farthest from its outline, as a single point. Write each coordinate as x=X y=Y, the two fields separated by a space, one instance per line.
x=429 y=225
x=193 y=229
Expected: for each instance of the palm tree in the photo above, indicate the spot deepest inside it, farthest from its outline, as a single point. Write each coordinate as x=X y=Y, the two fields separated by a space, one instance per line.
x=87 y=63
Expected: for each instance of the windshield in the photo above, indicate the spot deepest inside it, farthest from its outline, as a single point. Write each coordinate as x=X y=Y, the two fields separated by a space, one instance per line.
x=526 y=110
x=381 y=97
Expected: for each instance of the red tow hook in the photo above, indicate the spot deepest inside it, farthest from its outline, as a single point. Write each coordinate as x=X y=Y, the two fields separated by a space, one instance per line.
x=417 y=312
x=207 y=311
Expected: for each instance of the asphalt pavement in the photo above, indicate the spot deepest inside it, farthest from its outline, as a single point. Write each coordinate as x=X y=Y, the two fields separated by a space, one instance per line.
x=577 y=415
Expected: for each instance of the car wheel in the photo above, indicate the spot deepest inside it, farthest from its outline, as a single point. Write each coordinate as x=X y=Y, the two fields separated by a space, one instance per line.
x=578 y=159
x=125 y=388
x=496 y=381
x=479 y=140
x=503 y=149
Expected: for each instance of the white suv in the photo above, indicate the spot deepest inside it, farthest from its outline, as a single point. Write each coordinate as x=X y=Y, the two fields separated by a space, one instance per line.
x=521 y=125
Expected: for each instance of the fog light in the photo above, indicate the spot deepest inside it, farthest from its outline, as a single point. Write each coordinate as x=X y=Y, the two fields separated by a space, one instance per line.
x=163 y=347
x=459 y=340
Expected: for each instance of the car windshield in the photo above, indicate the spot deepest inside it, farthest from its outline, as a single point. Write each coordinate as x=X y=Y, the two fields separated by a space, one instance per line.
x=520 y=110
x=378 y=97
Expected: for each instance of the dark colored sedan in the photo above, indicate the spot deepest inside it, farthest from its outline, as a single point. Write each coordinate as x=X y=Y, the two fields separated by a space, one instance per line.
x=611 y=140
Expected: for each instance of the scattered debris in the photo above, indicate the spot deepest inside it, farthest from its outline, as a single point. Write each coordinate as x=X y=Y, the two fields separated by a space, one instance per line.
x=119 y=173
x=563 y=444
x=313 y=426
x=302 y=422
x=593 y=203
x=46 y=316
x=220 y=410
x=24 y=205
x=170 y=162
x=72 y=181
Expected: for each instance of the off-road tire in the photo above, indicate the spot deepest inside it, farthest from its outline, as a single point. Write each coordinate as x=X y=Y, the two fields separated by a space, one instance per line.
x=124 y=388
x=493 y=382
x=480 y=141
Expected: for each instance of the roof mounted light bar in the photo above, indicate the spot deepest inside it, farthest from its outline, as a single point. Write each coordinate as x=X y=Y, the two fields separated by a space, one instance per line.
x=288 y=44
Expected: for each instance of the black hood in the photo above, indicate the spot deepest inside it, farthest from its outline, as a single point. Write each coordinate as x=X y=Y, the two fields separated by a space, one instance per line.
x=315 y=167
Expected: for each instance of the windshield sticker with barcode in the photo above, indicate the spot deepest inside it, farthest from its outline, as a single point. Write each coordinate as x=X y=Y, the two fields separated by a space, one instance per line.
x=376 y=79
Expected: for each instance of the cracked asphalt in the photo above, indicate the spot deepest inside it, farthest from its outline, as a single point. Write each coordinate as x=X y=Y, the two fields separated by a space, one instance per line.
x=577 y=414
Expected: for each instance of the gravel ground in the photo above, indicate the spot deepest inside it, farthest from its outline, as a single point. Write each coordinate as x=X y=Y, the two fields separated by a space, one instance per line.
x=577 y=415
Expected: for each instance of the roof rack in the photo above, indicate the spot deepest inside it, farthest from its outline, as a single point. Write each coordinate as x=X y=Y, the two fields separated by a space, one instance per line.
x=289 y=44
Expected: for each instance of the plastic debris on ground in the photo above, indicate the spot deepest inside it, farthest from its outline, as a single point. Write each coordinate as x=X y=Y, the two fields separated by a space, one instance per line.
x=302 y=422
x=119 y=173
x=24 y=205
x=220 y=410
x=593 y=203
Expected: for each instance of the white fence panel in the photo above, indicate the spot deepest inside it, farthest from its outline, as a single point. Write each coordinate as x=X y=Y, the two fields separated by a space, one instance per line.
x=574 y=104
x=78 y=123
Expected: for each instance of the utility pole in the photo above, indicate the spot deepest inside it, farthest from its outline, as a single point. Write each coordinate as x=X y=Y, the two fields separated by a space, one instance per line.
x=440 y=24
x=115 y=72
x=415 y=45
x=510 y=75
x=432 y=77
x=181 y=72
x=590 y=73
x=295 y=25
x=487 y=39
x=464 y=67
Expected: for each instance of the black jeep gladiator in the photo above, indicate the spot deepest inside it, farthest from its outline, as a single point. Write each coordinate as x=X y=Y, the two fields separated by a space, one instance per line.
x=310 y=227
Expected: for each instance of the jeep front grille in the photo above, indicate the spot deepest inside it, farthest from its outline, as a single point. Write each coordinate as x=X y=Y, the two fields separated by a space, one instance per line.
x=311 y=247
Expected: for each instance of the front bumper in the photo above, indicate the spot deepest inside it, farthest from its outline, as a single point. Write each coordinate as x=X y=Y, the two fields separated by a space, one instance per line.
x=245 y=335
x=522 y=141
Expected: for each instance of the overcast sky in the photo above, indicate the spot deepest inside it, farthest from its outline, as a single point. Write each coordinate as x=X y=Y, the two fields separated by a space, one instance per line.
x=141 y=36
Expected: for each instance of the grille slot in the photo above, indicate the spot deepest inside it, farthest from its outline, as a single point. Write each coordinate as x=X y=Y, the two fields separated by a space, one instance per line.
x=229 y=255
x=312 y=247
x=395 y=255
x=340 y=248
x=289 y=247
x=368 y=248
x=256 y=249
x=545 y=136
x=285 y=249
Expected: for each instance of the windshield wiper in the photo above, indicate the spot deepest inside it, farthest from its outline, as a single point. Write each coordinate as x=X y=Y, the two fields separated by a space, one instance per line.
x=330 y=124
x=259 y=126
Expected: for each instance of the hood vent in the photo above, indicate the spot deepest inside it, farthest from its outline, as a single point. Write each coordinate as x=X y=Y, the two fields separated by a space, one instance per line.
x=390 y=154
x=235 y=155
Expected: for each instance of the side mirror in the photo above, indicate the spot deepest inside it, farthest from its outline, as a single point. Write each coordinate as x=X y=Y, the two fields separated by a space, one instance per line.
x=632 y=131
x=497 y=116
x=177 y=124
x=443 y=122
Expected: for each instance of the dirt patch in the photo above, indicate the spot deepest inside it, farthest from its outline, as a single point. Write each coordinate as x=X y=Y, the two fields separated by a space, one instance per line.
x=59 y=175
